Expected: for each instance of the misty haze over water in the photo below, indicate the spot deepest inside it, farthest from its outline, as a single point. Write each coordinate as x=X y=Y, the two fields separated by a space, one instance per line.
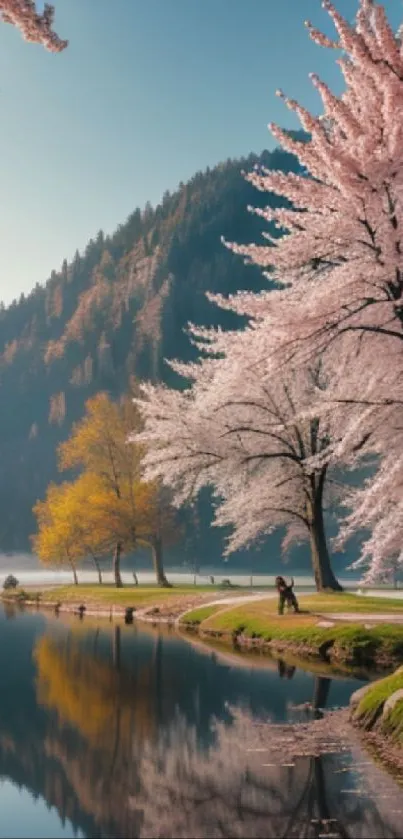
x=29 y=571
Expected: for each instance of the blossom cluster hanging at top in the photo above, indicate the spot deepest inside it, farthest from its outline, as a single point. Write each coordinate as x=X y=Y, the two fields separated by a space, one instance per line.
x=35 y=27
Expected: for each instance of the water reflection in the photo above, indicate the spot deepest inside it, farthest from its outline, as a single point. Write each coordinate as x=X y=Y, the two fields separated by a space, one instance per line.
x=285 y=671
x=130 y=734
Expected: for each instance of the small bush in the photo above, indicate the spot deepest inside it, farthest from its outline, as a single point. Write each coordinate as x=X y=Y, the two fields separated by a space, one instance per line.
x=10 y=582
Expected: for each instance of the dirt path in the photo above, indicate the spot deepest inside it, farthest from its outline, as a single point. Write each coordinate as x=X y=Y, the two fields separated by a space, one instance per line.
x=172 y=612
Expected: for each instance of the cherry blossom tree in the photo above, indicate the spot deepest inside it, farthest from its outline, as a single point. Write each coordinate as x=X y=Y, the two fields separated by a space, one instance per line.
x=336 y=274
x=34 y=27
x=338 y=264
x=366 y=405
x=239 y=429
x=378 y=509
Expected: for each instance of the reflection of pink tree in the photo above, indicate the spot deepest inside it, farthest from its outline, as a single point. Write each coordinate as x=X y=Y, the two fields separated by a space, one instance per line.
x=257 y=780
x=137 y=775
x=34 y=27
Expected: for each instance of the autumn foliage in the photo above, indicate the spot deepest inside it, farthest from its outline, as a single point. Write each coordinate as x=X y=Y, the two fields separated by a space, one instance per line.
x=108 y=509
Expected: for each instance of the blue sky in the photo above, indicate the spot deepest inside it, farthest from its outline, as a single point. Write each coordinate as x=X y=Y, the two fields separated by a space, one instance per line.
x=23 y=815
x=148 y=92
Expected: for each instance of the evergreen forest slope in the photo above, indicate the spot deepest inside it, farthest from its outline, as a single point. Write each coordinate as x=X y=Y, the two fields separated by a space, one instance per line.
x=116 y=311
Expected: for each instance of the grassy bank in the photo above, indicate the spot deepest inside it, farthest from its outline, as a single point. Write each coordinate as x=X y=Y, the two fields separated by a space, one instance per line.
x=377 y=710
x=336 y=628
x=125 y=596
x=315 y=632
x=103 y=598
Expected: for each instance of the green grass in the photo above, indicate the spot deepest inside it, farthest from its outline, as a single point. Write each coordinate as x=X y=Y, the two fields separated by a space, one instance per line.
x=346 y=642
x=368 y=712
x=345 y=602
x=257 y=614
x=108 y=595
x=349 y=643
x=196 y=616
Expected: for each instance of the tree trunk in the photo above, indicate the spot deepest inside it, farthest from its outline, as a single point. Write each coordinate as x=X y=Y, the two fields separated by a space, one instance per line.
x=116 y=647
x=156 y=550
x=97 y=566
x=320 y=695
x=116 y=565
x=320 y=795
x=322 y=569
x=73 y=568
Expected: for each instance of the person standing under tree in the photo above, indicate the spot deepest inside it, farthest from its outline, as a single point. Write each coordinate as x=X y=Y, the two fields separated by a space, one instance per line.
x=286 y=595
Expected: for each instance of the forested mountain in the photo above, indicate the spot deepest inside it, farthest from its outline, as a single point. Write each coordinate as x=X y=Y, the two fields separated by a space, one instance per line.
x=115 y=311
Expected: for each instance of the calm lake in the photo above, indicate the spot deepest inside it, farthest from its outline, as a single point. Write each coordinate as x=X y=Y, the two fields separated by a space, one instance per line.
x=111 y=731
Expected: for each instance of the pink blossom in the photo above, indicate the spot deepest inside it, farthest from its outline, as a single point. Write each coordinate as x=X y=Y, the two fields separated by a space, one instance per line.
x=34 y=27
x=327 y=336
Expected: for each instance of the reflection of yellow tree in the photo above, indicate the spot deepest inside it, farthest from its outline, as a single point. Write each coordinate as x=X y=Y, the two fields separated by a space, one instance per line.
x=78 y=688
x=248 y=782
x=102 y=701
x=113 y=709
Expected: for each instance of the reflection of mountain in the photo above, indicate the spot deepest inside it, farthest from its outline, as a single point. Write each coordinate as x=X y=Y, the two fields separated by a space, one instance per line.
x=23 y=724
x=116 y=729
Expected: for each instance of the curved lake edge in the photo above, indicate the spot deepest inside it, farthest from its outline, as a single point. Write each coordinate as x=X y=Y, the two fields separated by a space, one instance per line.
x=324 y=650
x=253 y=657
x=338 y=722
x=339 y=642
x=376 y=710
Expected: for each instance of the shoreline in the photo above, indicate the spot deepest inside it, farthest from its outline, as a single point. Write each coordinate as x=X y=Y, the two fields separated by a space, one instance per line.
x=366 y=717
x=245 y=622
x=376 y=712
x=326 y=653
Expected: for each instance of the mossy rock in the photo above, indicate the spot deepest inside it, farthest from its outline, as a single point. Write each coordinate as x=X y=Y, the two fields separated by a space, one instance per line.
x=391 y=724
x=390 y=703
x=370 y=710
x=357 y=696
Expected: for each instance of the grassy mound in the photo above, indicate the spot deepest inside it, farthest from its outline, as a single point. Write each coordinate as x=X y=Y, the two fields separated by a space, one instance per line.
x=108 y=595
x=309 y=633
x=370 y=710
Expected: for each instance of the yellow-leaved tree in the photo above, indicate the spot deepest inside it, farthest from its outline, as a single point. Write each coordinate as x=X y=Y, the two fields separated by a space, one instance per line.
x=158 y=524
x=98 y=446
x=82 y=499
x=77 y=520
x=124 y=512
x=56 y=542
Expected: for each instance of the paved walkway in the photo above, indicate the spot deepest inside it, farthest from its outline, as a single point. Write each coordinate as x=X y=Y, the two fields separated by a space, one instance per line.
x=360 y=617
x=227 y=601
x=242 y=598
